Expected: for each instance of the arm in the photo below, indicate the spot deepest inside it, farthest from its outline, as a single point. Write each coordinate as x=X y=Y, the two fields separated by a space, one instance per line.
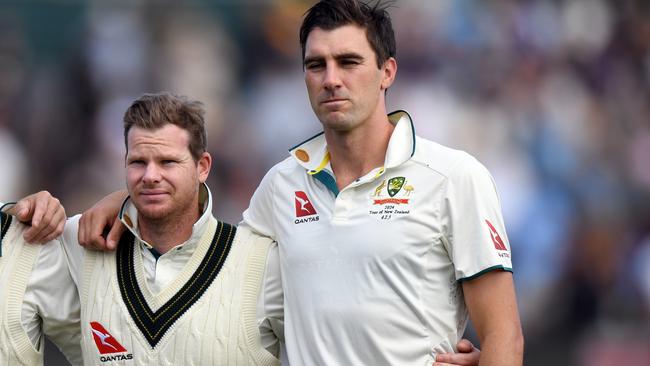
x=44 y=214
x=492 y=306
x=99 y=218
x=53 y=294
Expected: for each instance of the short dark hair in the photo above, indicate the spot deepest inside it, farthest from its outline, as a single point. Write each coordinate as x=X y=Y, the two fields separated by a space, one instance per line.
x=331 y=14
x=154 y=111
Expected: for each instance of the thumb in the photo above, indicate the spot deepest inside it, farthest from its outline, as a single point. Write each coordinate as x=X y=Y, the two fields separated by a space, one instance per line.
x=464 y=346
x=22 y=210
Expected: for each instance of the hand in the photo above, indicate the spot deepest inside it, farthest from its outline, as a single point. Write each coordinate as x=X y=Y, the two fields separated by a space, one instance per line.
x=44 y=214
x=98 y=219
x=467 y=355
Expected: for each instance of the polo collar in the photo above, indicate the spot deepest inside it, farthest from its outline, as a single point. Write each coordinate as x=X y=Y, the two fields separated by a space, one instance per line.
x=313 y=155
x=129 y=217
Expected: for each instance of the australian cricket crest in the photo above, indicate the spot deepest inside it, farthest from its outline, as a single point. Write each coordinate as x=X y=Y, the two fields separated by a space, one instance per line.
x=395 y=185
x=391 y=198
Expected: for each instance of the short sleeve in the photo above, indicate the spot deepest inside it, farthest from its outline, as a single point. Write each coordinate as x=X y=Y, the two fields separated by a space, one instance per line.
x=259 y=215
x=473 y=226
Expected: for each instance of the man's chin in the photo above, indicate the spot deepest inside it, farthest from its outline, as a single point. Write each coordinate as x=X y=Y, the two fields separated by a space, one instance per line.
x=153 y=211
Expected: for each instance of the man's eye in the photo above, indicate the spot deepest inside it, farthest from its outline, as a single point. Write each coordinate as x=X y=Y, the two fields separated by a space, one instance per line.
x=349 y=62
x=136 y=162
x=314 y=65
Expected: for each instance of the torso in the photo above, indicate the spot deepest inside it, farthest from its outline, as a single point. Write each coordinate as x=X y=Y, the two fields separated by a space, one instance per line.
x=206 y=316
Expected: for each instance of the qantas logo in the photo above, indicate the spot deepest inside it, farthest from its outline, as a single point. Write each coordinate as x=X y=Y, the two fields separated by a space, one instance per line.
x=496 y=238
x=104 y=340
x=303 y=205
x=108 y=345
x=304 y=208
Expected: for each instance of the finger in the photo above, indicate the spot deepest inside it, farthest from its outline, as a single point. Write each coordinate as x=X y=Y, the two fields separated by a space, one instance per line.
x=50 y=221
x=40 y=203
x=56 y=233
x=21 y=210
x=90 y=231
x=115 y=234
x=464 y=346
x=457 y=358
x=58 y=222
x=44 y=221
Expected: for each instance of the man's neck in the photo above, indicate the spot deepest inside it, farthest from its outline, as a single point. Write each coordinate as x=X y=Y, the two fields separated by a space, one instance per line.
x=163 y=235
x=355 y=153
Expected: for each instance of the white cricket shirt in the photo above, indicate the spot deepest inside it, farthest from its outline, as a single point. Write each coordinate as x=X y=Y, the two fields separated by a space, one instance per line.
x=371 y=274
x=50 y=302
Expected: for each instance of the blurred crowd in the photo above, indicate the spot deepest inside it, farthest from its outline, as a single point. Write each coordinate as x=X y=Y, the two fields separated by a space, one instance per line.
x=552 y=96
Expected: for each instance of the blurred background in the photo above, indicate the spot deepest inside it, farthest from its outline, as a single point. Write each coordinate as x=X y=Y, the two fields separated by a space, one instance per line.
x=552 y=96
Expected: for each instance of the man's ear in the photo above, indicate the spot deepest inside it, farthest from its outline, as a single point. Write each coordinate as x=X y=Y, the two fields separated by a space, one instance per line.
x=204 y=164
x=389 y=71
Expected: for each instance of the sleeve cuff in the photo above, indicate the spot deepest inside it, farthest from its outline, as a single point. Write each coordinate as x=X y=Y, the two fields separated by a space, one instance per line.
x=490 y=269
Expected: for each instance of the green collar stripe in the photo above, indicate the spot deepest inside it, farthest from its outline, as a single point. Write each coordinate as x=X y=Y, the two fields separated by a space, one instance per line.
x=412 y=125
x=493 y=268
x=306 y=141
x=329 y=182
x=154 y=325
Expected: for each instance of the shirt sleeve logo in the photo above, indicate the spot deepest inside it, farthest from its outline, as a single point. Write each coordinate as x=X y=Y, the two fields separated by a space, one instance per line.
x=496 y=238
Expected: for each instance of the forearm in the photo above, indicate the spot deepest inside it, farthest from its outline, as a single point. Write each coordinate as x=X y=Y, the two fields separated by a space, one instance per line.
x=492 y=306
x=502 y=350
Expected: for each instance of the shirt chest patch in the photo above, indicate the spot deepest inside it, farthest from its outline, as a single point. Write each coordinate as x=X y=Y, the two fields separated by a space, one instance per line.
x=305 y=211
x=109 y=348
x=391 y=198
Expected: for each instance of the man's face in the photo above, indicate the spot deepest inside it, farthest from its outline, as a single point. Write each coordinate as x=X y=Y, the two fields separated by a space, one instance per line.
x=161 y=176
x=345 y=85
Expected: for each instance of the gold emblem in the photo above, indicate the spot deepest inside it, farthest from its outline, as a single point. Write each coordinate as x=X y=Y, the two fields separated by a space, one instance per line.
x=380 y=188
x=408 y=189
x=128 y=221
x=302 y=155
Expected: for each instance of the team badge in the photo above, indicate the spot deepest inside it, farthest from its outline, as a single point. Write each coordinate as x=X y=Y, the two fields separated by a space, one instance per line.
x=392 y=196
x=107 y=344
x=395 y=185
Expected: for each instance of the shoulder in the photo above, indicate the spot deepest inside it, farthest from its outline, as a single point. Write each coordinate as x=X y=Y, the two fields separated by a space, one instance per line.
x=451 y=163
x=247 y=236
x=286 y=166
x=278 y=173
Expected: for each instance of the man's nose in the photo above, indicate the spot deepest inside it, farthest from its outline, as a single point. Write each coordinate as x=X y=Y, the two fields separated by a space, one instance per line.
x=151 y=173
x=331 y=77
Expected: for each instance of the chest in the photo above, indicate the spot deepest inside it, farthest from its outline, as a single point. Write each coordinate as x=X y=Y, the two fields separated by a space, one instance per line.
x=396 y=217
x=119 y=327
